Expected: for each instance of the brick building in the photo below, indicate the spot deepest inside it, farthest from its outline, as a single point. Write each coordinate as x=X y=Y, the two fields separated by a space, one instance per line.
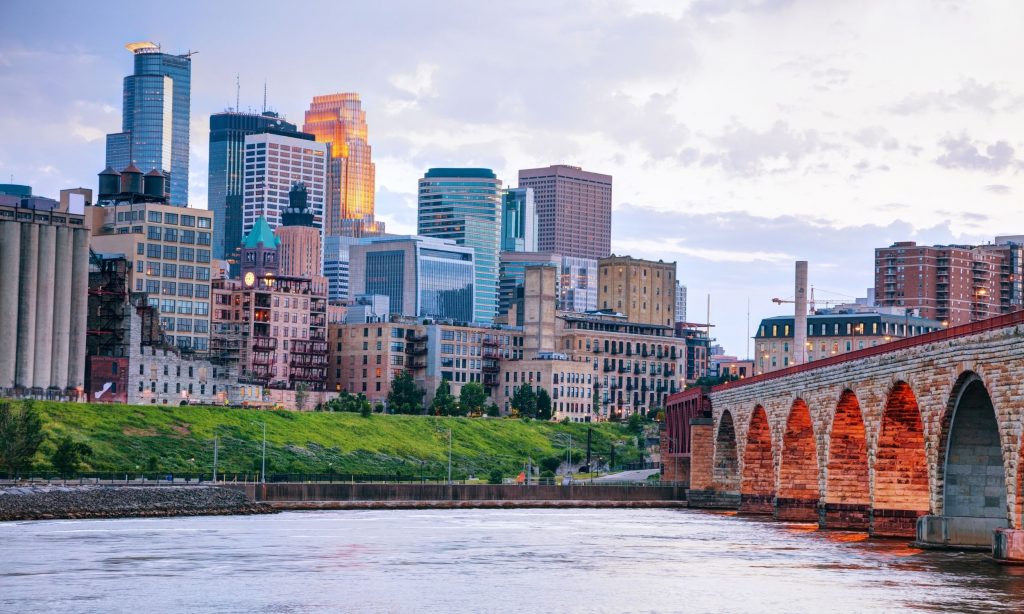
x=956 y=284
x=642 y=290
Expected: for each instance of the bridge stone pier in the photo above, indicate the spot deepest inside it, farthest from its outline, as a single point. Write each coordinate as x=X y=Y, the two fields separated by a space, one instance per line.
x=919 y=438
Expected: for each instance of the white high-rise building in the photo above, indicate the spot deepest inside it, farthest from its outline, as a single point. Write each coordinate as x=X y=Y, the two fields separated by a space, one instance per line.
x=680 y=302
x=336 y=270
x=273 y=162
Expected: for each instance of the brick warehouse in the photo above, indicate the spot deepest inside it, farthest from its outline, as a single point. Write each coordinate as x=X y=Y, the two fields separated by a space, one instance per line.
x=921 y=436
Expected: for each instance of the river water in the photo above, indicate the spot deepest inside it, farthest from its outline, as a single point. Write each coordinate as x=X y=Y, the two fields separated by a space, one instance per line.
x=570 y=560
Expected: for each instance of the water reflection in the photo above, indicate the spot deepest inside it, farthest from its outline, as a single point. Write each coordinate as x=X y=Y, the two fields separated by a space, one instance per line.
x=485 y=560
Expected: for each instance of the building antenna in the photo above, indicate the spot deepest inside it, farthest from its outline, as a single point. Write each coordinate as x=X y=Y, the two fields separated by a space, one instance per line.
x=748 y=328
x=264 y=96
x=238 y=92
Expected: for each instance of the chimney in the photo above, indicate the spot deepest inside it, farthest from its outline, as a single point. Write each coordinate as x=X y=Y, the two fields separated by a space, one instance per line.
x=800 y=314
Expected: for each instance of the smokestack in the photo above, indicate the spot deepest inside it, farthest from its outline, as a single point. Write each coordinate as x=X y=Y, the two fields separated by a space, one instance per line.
x=800 y=314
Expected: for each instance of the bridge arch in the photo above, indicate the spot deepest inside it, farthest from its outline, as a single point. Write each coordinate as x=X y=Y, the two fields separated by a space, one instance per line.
x=901 y=491
x=757 y=484
x=798 y=492
x=973 y=470
x=726 y=473
x=847 y=487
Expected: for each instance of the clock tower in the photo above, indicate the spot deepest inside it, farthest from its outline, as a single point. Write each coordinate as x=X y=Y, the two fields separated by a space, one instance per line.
x=259 y=252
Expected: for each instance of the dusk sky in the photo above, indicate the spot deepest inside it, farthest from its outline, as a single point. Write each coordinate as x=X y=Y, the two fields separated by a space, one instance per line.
x=741 y=135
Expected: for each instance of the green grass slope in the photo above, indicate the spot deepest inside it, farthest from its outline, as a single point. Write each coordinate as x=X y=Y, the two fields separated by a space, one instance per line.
x=126 y=437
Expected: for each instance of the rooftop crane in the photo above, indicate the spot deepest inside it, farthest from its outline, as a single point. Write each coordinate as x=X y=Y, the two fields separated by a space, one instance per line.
x=810 y=303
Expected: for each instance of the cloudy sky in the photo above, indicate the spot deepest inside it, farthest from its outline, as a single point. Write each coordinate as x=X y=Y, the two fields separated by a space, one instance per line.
x=741 y=135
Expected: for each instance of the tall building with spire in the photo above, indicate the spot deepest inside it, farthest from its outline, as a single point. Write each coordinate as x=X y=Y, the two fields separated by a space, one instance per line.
x=155 y=119
x=339 y=120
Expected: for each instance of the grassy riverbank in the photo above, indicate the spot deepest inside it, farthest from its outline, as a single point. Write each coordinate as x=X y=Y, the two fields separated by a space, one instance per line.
x=180 y=439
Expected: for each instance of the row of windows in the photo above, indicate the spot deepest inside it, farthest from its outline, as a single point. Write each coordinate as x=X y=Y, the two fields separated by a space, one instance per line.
x=176 y=219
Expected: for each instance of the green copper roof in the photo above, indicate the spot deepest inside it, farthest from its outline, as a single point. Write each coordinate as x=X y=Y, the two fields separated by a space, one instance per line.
x=260 y=233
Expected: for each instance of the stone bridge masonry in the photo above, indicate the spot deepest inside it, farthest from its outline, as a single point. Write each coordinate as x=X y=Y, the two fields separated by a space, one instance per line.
x=920 y=437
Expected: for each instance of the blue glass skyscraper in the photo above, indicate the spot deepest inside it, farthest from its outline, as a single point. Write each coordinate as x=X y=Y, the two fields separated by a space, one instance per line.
x=227 y=171
x=464 y=204
x=155 y=120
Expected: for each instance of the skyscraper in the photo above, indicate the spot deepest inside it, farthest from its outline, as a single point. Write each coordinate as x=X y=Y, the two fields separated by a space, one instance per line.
x=577 y=284
x=339 y=120
x=518 y=221
x=464 y=204
x=227 y=171
x=155 y=120
x=273 y=162
x=574 y=210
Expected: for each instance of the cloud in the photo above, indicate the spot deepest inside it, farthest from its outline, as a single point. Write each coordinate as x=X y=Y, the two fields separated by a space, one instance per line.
x=750 y=153
x=963 y=153
x=984 y=97
x=998 y=188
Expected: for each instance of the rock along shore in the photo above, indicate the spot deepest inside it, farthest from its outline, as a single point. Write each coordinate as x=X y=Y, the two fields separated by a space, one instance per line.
x=60 y=502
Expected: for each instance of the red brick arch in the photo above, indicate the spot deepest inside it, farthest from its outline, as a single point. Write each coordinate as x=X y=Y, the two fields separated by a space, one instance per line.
x=798 y=471
x=847 y=488
x=901 y=466
x=757 y=487
x=727 y=468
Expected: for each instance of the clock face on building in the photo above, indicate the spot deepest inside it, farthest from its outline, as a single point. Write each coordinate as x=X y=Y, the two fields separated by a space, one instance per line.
x=250 y=279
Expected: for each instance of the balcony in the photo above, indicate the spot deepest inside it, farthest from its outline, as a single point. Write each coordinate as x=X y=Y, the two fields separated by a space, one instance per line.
x=412 y=337
x=304 y=346
x=261 y=358
x=264 y=344
x=307 y=360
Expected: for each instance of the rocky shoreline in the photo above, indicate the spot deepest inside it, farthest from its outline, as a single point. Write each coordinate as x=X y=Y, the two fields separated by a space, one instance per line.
x=63 y=502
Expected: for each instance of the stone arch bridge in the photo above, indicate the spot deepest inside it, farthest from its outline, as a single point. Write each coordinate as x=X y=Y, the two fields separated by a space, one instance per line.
x=920 y=437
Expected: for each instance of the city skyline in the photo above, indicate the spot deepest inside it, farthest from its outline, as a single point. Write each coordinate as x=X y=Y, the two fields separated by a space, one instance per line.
x=865 y=137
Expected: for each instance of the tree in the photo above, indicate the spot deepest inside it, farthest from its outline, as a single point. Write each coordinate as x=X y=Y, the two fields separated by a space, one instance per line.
x=472 y=398
x=551 y=463
x=524 y=401
x=543 y=404
x=495 y=476
x=444 y=403
x=493 y=410
x=151 y=465
x=596 y=405
x=405 y=397
x=635 y=424
x=21 y=432
x=301 y=394
x=69 y=455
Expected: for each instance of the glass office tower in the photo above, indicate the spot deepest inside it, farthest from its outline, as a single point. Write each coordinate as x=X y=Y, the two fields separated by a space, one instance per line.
x=227 y=163
x=464 y=205
x=518 y=221
x=155 y=120
x=339 y=119
x=422 y=277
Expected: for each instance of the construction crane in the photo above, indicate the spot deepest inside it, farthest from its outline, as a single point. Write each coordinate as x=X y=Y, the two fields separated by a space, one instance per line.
x=810 y=303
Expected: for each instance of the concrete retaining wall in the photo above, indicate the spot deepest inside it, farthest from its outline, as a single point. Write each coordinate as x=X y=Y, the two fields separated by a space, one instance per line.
x=456 y=492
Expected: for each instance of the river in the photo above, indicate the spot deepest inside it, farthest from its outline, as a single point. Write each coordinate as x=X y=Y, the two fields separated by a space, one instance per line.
x=571 y=560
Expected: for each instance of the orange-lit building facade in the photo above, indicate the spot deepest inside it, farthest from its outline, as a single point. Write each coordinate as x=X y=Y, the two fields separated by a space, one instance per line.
x=339 y=120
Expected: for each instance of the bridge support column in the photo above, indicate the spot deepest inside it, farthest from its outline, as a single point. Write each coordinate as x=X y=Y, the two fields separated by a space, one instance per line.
x=960 y=532
x=895 y=523
x=797 y=510
x=702 y=491
x=1008 y=546
x=848 y=516
x=757 y=504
